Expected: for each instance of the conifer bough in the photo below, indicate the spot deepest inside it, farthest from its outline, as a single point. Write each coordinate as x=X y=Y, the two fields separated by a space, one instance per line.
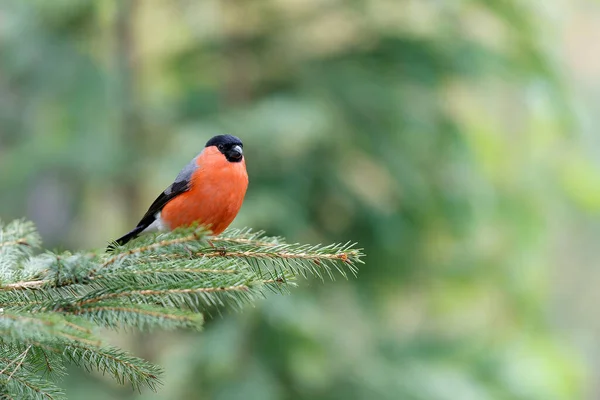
x=52 y=304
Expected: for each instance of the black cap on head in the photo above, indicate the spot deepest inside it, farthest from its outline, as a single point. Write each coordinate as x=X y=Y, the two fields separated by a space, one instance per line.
x=230 y=146
x=224 y=140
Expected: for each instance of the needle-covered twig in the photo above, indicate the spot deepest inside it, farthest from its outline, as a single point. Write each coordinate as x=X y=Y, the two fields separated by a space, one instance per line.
x=52 y=304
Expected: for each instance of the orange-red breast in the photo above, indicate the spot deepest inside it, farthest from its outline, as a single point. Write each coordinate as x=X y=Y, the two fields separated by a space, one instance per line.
x=209 y=190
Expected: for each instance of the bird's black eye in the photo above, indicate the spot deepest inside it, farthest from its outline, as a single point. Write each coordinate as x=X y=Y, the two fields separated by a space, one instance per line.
x=221 y=147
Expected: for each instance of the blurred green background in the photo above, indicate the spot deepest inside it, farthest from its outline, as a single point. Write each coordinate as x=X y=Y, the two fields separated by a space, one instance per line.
x=456 y=141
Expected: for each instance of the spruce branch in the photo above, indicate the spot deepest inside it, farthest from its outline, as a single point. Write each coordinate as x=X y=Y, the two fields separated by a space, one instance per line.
x=52 y=304
x=24 y=384
x=20 y=357
x=140 y=316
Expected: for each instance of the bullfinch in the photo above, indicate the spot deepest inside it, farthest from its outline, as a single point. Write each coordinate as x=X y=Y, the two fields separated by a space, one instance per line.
x=209 y=190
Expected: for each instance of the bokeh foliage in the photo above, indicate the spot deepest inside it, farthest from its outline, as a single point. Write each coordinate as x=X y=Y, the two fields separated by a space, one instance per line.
x=426 y=131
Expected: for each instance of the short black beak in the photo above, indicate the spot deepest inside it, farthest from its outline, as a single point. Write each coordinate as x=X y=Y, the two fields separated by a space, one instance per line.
x=236 y=153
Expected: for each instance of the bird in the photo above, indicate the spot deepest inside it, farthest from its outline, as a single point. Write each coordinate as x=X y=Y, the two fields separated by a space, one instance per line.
x=209 y=190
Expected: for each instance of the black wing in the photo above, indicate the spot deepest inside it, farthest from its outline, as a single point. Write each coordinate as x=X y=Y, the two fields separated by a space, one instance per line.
x=150 y=216
x=181 y=184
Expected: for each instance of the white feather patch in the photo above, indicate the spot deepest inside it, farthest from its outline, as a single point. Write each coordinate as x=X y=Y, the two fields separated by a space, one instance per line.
x=157 y=226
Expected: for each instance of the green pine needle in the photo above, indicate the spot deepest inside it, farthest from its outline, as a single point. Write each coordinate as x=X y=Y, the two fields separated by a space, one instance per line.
x=52 y=305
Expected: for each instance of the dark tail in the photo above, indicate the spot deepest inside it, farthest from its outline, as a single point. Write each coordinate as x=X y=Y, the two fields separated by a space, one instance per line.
x=125 y=238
